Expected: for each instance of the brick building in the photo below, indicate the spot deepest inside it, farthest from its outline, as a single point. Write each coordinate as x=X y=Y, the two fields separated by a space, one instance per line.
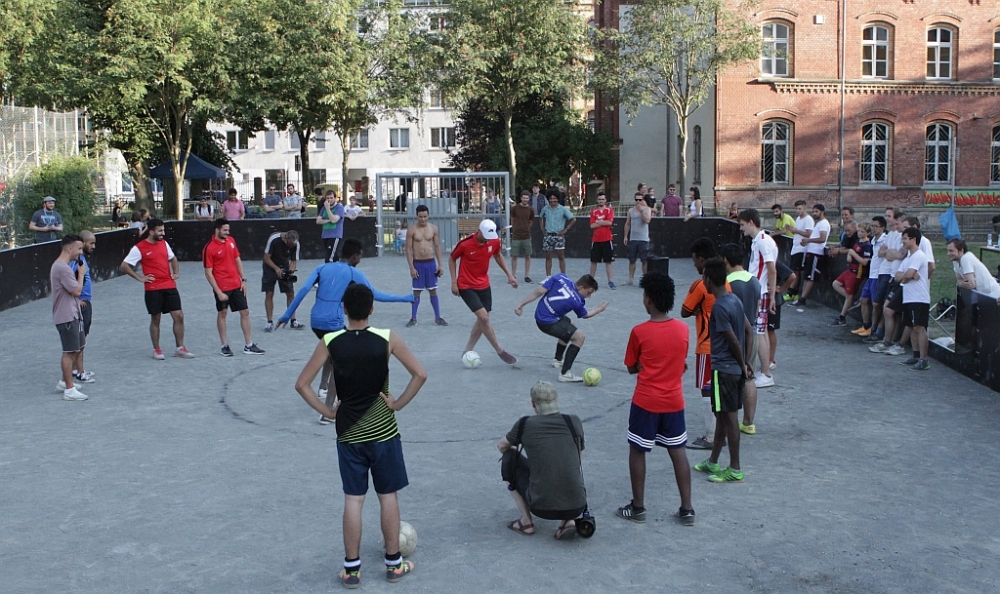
x=909 y=88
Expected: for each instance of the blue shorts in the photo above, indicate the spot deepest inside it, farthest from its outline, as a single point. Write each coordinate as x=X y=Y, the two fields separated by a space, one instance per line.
x=426 y=275
x=869 y=290
x=666 y=430
x=383 y=458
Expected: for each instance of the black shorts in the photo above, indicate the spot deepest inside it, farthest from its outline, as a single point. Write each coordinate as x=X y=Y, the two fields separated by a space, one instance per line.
x=774 y=319
x=916 y=314
x=71 y=336
x=602 y=251
x=270 y=278
x=894 y=297
x=882 y=288
x=237 y=301
x=332 y=245
x=797 y=261
x=88 y=316
x=477 y=299
x=562 y=330
x=162 y=301
x=727 y=391
x=814 y=266
x=321 y=333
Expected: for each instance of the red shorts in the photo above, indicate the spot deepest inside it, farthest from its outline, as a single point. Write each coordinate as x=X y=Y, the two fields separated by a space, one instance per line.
x=703 y=372
x=762 y=311
x=850 y=281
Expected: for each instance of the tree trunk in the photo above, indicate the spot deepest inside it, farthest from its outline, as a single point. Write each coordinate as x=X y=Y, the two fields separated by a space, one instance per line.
x=507 y=117
x=138 y=170
x=682 y=137
x=345 y=148
x=304 y=137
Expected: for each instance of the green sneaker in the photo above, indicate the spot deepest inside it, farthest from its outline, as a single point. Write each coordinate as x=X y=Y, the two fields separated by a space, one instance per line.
x=397 y=572
x=748 y=429
x=728 y=475
x=709 y=467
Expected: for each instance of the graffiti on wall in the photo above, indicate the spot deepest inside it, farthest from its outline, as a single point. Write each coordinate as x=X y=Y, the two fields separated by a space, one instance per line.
x=983 y=198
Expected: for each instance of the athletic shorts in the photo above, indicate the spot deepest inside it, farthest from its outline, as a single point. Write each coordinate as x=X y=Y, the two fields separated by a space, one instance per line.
x=637 y=250
x=763 y=311
x=798 y=261
x=520 y=247
x=727 y=392
x=72 y=336
x=882 y=289
x=522 y=478
x=237 y=301
x=753 y=350
x=332 y=247
x=850 y=281
x=868 y=291
x=162 y=301
x=321 y=333
x=426 y=275
x=88 y=316
x=553 y=242
x=477 y=299
x=384 y=459
x=774 y=319
x=646 y=429
x=916 y=314
x=602 y=251
x=703 y=372
x=894 y=298
x=562 y=330
x=814 y=262
x=270 y=278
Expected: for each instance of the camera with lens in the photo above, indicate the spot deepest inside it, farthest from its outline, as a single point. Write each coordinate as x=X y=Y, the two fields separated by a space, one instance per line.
x=586 y=524
x=288 y=276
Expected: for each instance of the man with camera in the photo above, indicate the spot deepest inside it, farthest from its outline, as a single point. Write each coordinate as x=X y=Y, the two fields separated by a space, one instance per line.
x=281 y=259
x=549 y=482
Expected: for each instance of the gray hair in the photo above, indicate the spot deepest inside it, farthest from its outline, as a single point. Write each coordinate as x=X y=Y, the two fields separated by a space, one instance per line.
x=545 y=398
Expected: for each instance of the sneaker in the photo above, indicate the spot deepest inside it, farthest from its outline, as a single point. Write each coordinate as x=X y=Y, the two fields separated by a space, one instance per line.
x=557 y=363
x=508 y=358
x=225 y=351
x=632 y=513
x=699 y=444
x=895 y=350
x=629 y=283
x=879 y=347
x=611 y=285
x=786 y=298
x=158 y=355
x=183 y=353
x=772 y=366
x=296 y=325
x=922 y=365
x=86 y=377
x=686 y=516
x=748 y=429
x=269 y=327
x=763 y=381
x=350 y=579
x=871 y=337
x=527 y=280
x=864 y=332
x=839 y=321
x=708 y=467
x=569 y=377
x=253 y=349
x=411 y=323
x=60 y=386
x=728 y=475
x=440 y=322
x=910 y=362
x=326 y=420
x=74 y=394
x=397 y=572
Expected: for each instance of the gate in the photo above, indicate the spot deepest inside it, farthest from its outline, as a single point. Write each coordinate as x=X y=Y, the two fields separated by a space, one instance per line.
x=456 y=201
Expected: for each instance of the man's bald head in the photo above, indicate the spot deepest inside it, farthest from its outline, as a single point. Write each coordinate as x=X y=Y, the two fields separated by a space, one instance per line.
x=89 y=242
x=87 y=235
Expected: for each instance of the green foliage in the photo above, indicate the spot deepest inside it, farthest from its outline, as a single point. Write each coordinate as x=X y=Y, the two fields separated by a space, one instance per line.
x=71 y=181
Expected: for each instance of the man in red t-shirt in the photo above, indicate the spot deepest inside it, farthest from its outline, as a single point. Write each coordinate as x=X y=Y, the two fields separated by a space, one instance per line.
x=224 y=271
x=472 y=282
x=159 y=271
x=601 y=248
x=657 y=352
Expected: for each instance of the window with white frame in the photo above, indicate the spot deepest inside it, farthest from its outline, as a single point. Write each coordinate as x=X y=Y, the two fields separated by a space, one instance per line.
x=294 y=142
x=875 y=52
x=939 y=54
x=995 y=156
x=269 y=138
x=442 y=137
x=774 y=151
x=438 y=99
x=359 y=139
x=399 y=138
x=937 y=159
x=996 y=54
x=774 y=52
x=236 y=140
x=320 y=139
x=875 y=153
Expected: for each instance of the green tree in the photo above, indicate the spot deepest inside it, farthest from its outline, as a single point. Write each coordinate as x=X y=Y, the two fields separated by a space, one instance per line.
x=503 y=51
x=71 y=181
x=20 y=23
x=668 y=52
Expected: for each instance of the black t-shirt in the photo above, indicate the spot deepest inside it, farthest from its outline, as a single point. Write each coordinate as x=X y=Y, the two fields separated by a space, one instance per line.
x=848 y=241
x=279 y=251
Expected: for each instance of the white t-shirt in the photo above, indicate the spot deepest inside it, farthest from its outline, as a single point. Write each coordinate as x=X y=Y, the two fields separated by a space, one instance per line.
x=819 y=248
x=927 y=249
x=893 y=241
x=352 y=211
x=802 y=224
x=762 y=250
x=875 y=266
x=985 y=283
x=916 y=291
x=135 y=256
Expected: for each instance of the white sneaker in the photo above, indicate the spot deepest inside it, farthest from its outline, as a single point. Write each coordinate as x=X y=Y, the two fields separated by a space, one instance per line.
x=86 y=377
x=569 y=377
x=61 y=386
x=183 y=353
x=763 y=381
x=74 y=394
x=557 y=363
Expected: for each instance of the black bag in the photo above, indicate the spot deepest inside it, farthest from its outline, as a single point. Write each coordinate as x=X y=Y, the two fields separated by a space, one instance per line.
x=508 y=462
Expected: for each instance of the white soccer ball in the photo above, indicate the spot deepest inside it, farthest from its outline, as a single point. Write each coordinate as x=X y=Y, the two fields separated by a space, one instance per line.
x=471 y=360
x=407 y=539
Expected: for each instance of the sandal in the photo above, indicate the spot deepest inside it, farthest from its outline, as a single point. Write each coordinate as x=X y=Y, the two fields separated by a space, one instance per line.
x=520 y=528
x=568 y=529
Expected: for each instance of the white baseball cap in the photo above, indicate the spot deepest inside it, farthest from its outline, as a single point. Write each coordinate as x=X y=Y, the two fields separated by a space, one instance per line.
x=489 y=229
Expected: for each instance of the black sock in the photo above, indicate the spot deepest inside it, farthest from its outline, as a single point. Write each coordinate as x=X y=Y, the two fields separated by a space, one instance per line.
x=571 y=352
x=393 y=560
x=560 y=350
x=270 y=322
x=916 y=354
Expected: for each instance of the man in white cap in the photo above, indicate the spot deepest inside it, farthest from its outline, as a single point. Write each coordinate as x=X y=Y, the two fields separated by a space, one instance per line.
x=46 y=223
x=472 y=282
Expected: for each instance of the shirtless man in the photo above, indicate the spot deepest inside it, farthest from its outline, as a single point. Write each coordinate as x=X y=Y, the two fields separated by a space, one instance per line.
x=423 y=254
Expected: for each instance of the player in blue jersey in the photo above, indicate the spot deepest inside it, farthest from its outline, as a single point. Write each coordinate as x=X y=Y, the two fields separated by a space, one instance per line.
x=559 y=296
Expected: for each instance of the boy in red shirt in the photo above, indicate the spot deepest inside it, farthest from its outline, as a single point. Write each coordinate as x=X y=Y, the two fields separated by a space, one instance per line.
x=657 y=350
x=602 y=249
x=224 y=271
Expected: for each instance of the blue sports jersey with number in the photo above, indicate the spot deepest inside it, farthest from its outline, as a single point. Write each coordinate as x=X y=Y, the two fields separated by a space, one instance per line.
x=561 y=297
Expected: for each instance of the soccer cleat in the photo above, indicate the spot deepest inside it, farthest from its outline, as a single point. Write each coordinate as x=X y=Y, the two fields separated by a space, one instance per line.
x=879 y=347
x=685 y=516
x=440 y=322
x=411 y=323
x=611 y=285
x=632 y=513
x=922 y=365
x=74 y=394
x=763 y=381
x=750 y=429
x=225 y=351
x=350 y=579
x=699 y=444
x=895 y=350
x=183 y=353
x=557 y=363
x=296 y=325
x=728 y=475
x=708 y=467
x=253 y=349
x=394 y=573
x=910 y=362
x=158 y=355
x=569 y=377
x=86 y=377
x=269 y=327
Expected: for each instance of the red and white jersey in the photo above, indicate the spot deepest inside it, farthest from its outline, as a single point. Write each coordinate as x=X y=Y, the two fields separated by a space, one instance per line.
x=762 y=250
x=155 y=259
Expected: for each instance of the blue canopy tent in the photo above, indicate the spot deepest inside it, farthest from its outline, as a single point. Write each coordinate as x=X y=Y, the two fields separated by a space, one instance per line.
x=197 y=168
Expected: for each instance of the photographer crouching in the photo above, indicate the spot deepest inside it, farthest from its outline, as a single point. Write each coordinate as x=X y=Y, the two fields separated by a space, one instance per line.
x=281 y=258
x=549 y=481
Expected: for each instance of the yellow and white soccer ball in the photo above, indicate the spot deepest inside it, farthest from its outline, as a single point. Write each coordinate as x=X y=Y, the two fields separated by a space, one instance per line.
x=591 y=377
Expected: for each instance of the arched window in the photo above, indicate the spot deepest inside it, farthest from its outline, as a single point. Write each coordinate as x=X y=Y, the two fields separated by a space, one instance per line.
x=775 y=147
x=875 y=153
x=875 y=52
x=774 y=51
x=995 y=156
x=937 y=159
x=697 y=154
x=939 y=53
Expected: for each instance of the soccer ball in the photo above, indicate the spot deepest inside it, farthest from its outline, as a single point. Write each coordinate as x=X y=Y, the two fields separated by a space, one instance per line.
x=407 y=539
x=591 y=377
x=471 y=360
